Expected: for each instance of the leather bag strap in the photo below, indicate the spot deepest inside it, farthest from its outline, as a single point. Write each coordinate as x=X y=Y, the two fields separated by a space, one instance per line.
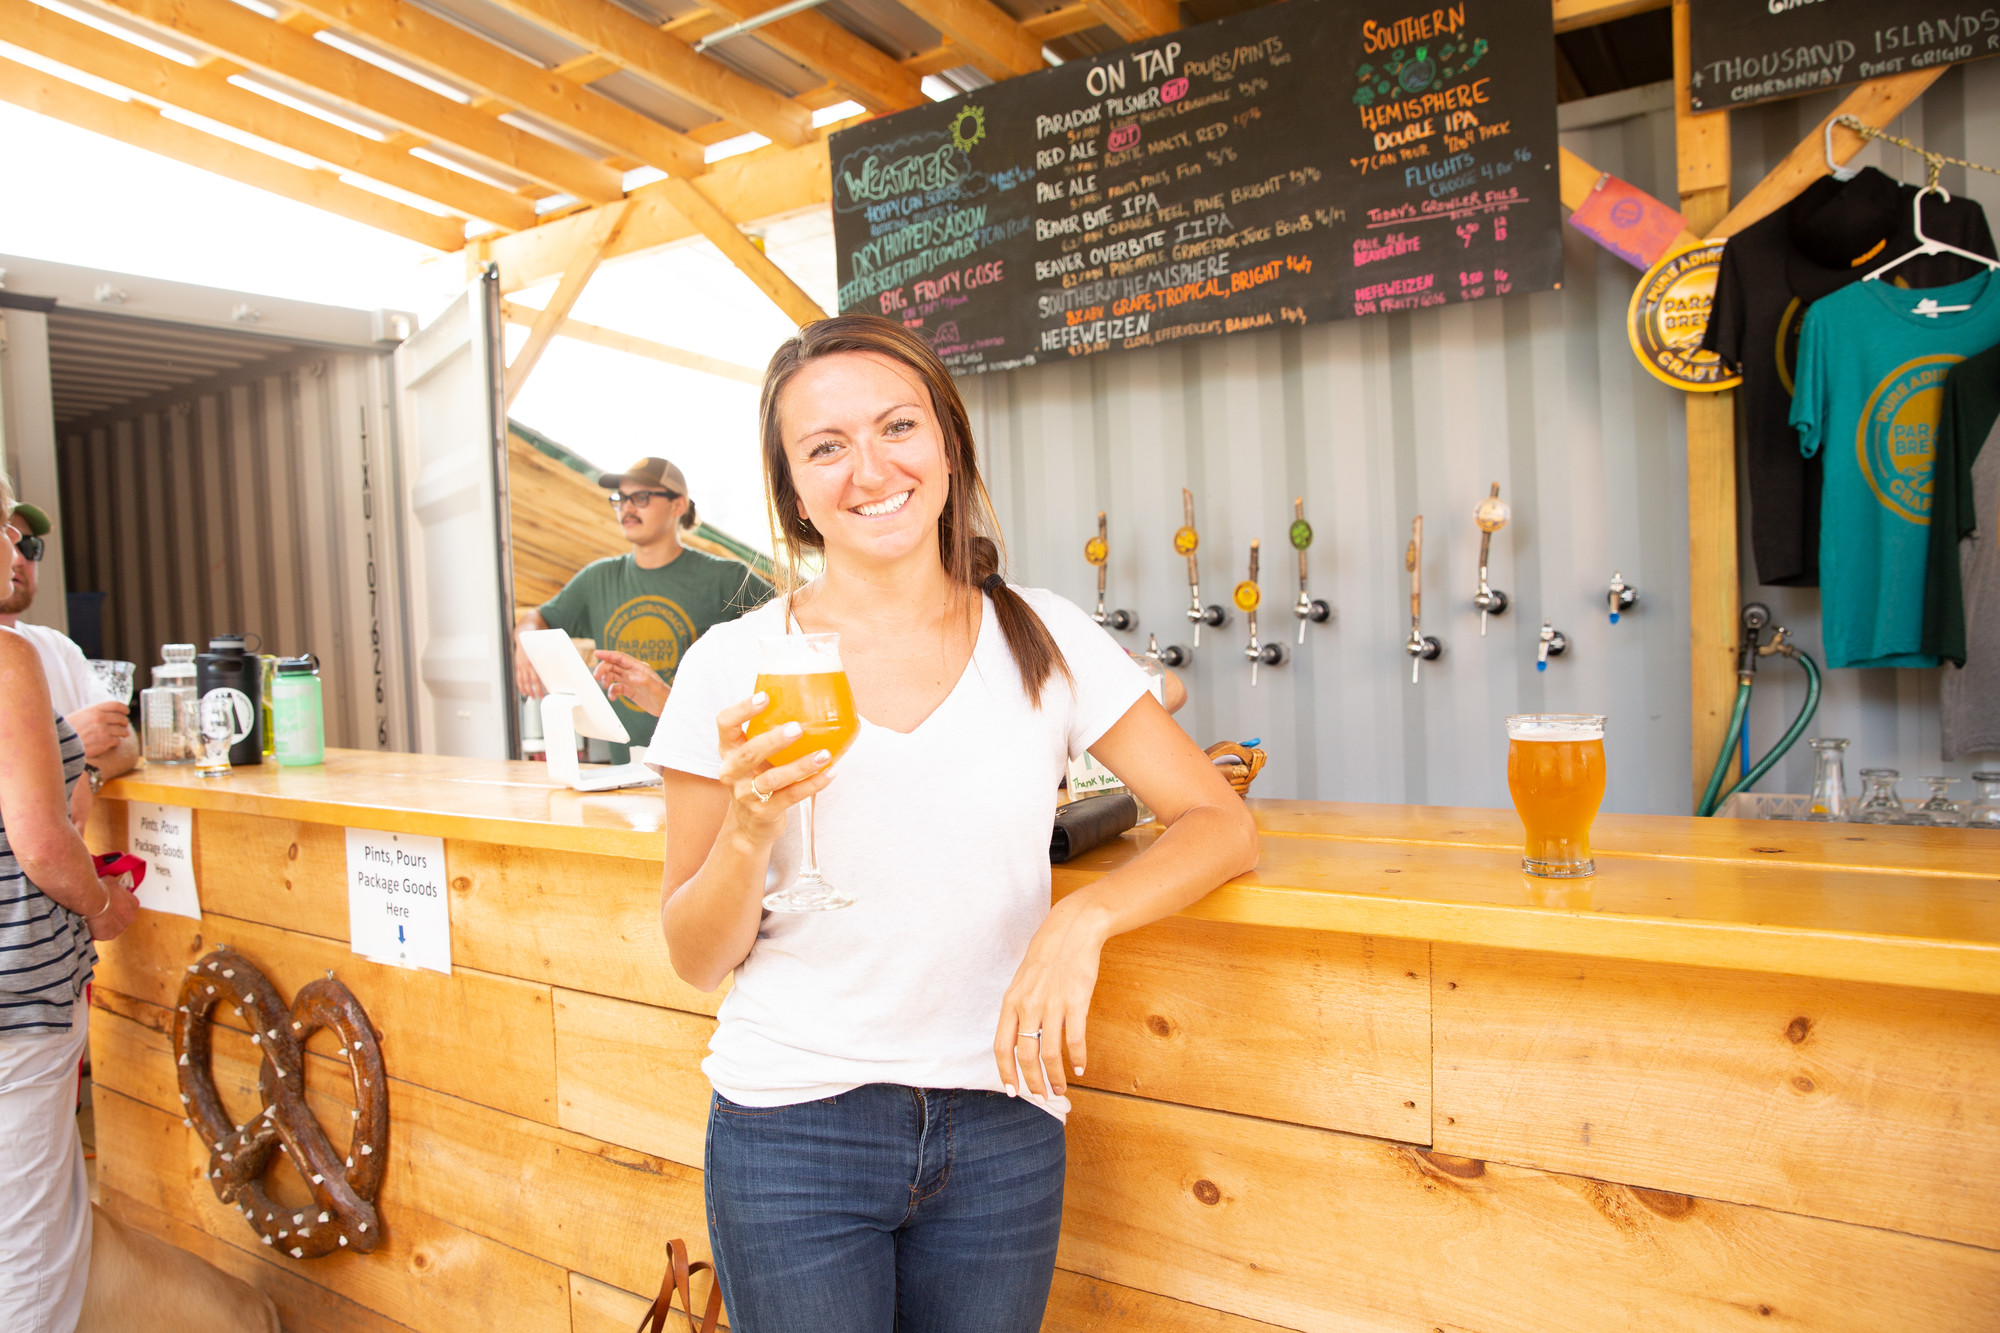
x=677 y=1279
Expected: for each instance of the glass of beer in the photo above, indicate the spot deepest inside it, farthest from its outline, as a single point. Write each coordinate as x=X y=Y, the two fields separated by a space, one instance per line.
x=1555 y=770
x=803 y=676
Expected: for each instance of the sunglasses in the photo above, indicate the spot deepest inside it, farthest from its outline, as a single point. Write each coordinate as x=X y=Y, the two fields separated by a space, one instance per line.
x=30 y=546
x=640 y=499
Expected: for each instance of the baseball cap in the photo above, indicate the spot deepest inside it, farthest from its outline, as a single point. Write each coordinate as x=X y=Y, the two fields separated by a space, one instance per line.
x=650 y=472
x=30 y=519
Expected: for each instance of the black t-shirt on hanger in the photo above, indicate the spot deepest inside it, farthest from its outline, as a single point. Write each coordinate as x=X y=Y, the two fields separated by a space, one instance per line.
x=1833 y=234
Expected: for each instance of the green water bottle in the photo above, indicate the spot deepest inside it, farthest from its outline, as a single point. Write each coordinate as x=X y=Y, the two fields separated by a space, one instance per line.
x=298 y=713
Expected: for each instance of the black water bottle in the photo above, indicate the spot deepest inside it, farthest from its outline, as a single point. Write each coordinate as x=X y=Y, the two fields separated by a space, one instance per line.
x=228 y=668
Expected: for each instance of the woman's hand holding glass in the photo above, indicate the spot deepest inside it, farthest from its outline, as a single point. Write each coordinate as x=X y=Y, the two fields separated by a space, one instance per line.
x=760 y=794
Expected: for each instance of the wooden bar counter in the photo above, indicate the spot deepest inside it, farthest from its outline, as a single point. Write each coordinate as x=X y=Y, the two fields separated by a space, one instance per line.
x=1746 y=1077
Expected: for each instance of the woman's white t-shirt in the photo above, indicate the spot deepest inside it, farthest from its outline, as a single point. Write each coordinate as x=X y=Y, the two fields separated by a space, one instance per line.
x=941 y=837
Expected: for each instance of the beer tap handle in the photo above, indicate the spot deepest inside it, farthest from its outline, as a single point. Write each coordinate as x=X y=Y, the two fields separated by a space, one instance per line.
x=1308 y=607
x=1554 y=643
x=1620 y=596
x=1186 y=542
x=1413 y=556
x=1491 y=516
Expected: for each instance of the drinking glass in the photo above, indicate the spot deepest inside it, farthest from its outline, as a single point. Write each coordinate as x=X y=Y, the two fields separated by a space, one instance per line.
x=807 y=685
x=1879 y=802
x=1555 y=771
x=1940 y=809
x=1829 y=789
x=115 y=677
x=1985 y=812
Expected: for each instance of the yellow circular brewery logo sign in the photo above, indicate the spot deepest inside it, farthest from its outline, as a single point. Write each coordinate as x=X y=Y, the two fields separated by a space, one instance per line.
x=1669 y=315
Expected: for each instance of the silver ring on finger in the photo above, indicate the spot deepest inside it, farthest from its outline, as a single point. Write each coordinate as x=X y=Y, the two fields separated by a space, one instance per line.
x=762 y=795
x=1036 y=1035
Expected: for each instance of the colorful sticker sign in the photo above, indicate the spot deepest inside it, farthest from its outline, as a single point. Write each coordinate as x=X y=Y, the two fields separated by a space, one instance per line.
x=1669 y=315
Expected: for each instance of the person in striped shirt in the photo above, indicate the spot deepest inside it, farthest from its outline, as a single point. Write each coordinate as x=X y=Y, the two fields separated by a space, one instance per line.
x=53 y=906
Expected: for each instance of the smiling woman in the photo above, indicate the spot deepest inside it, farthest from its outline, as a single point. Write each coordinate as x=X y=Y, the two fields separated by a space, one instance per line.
x=885 y=1142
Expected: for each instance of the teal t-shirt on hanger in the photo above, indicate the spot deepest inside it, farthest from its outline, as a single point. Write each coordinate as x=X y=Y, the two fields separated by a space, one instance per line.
x=1869 y=389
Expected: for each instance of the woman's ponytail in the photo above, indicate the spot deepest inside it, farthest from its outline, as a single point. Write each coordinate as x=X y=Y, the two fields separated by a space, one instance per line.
x=1028 y=639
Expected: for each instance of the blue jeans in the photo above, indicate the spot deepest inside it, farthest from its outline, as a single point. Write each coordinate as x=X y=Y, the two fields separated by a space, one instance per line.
x=917 y=1210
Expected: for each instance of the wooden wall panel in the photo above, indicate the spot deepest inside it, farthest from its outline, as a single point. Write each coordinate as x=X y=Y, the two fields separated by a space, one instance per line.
x=1870 y=1104
x=303 y=1306
x=435 y=1277
x=575 y=1202
x=485 y=1038
x=589 y=923
x=1323 y=1231
x=279 y=872
x=1079 y=1304
x=631 y=1074
x=1314 y=1028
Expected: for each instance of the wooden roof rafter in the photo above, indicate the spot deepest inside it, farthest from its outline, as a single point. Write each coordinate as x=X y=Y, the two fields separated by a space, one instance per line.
x=989 y=38
x=870 y=76
x=437 y=45
x=259 y=43
x=208 y=92
x=630 y=43
x=141 y=126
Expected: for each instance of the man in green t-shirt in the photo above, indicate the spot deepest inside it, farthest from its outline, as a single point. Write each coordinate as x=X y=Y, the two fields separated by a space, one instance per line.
x=644 y=609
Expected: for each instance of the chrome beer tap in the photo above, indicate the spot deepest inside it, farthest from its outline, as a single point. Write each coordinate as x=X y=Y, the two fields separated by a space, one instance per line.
x=1173 y=655
x=1420 y=646
x=1098 y=553
x=1246 y=597
x=1620 y=596
x=1186 y=542
x=1491 y=516
x=1308 y=607
x=1554 y=643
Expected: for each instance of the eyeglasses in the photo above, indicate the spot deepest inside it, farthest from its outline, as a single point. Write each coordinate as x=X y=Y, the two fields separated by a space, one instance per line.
x=640 y=499
x=27 y=544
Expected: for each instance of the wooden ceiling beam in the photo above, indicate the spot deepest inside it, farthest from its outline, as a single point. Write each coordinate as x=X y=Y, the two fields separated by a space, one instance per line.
x=208 y=92
x=740 y=250
x=577 y=271
x=763 y=184
x=443 y=48
x=1061 y=22
x=257 y=42
x=143 y=127
x=637 y=346
x=993 y=42
x=629 y=42
x=1136 y=20
x=871 y=77
x=1573 y=14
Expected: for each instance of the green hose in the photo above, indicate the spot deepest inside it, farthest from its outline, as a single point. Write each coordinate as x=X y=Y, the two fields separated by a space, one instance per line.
x=1709 y=799
x=1790 y=738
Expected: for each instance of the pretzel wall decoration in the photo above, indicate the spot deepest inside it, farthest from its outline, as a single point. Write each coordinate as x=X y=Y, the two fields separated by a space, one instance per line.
x=342 y=1215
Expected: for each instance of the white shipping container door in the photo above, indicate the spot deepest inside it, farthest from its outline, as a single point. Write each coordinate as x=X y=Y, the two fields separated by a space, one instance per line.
x=452 y=442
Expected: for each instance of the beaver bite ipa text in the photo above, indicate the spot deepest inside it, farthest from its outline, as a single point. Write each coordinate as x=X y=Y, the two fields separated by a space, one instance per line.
x=1555 y=772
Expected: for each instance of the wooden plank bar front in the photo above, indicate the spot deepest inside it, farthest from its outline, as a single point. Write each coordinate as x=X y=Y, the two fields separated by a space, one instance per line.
x=1749 y=1074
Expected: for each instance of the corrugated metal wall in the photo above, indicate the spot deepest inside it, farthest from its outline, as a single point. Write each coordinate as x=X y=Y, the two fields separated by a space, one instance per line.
x=259 y=503
x=1374 y=421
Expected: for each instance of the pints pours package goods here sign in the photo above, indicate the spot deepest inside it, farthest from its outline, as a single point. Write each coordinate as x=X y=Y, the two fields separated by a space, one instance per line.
x=1295 y=164
x=398 y=908
x=163 y=837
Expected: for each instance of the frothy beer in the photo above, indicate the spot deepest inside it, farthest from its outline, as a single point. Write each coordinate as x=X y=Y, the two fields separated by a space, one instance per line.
x=807 y=685
x=1555 y=771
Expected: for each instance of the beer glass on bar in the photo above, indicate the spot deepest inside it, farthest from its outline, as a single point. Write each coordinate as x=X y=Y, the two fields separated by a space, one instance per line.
x=807 y=685
x=1555 y=771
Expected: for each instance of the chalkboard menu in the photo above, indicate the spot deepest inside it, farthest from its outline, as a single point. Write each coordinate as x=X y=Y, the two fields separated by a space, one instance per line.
x=1742 y=52
x=1303 y=162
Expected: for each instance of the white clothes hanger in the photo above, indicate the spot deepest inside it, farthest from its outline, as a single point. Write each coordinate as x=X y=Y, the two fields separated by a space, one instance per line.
x=1927 y=245
x=1833 y=168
